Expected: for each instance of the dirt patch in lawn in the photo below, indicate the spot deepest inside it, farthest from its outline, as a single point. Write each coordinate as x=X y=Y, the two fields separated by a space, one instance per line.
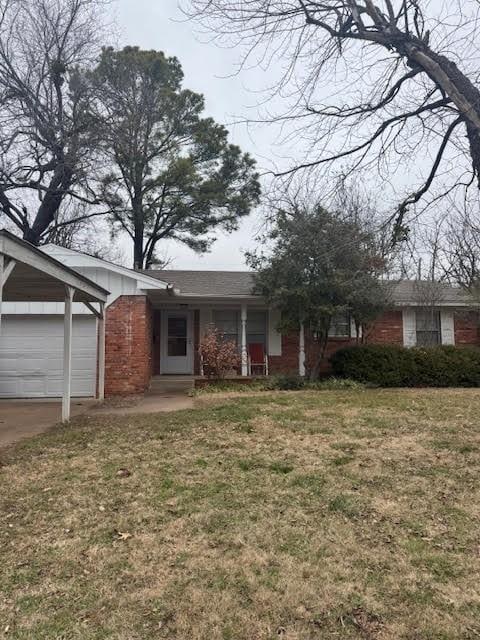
x=284 y=515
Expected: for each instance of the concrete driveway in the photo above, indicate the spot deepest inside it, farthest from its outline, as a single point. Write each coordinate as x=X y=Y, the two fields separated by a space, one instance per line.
x=25 y=418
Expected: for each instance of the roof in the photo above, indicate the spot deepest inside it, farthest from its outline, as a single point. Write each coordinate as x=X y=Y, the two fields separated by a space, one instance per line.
x=234 y=284
x=81 y=259
x=228 y=284
x=38 y=277
x=424 y=292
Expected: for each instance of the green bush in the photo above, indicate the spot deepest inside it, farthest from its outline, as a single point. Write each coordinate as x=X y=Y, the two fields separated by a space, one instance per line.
x=393 y=366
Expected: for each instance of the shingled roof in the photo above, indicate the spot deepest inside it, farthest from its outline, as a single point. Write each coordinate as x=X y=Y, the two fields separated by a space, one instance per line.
x=208 y=283
x=233 y=284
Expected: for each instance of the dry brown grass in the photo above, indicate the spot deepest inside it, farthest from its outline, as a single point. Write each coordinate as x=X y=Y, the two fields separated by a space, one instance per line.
x=283 y=515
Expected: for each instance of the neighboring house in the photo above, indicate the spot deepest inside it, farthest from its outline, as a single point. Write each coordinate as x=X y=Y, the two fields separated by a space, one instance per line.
x=155 y=320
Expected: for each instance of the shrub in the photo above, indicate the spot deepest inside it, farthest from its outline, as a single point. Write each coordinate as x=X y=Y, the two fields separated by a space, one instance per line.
x=393 y=366
x=288 y=382
x=338 y=384
x=219 y=356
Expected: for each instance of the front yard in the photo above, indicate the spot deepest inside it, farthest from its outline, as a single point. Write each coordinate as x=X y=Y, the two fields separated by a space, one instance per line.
x=304 y=515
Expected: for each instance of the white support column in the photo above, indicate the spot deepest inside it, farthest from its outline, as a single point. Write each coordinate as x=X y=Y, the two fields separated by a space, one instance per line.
x=6 y=269
x=2 y=269
x=101 y=352
x=67 y=354
x=301 y=350
x=244 y=351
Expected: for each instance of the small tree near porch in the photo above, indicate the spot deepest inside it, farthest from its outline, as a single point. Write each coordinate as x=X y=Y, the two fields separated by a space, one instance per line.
x=219 y=355
x=320 y=264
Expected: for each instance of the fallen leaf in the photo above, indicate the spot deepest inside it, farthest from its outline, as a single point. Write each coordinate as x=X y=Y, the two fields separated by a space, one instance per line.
x=123 y=535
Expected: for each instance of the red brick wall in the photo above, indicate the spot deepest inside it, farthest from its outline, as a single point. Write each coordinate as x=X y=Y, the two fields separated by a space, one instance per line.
x=288 y=361
x=466 y=328
x=388 y=329
x=128 y=346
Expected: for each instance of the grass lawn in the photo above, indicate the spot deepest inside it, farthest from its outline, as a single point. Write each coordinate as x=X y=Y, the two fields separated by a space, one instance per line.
x=301 y=515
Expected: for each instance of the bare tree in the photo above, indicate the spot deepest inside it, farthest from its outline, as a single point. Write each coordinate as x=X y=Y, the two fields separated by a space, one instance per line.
x=74 y=229
x=460 y=249
x=397 y=93
x=47 y=134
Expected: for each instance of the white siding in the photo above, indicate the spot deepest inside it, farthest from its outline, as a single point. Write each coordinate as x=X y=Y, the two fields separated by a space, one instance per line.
x=117 y=284
x=274 y=336
x=205 y=320
x=353 y=330
x=409 y=328
x=447 y=326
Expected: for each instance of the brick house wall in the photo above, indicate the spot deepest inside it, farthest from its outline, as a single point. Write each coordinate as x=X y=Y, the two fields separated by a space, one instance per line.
x=466 y=328
x=133 y=343
x=388 y=329
x=128 y=346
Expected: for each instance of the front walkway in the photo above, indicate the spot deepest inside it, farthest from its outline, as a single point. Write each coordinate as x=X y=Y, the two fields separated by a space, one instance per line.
x=149 y=403
x=20 y=419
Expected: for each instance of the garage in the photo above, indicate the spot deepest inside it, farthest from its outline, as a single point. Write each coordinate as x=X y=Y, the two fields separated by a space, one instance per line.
x=31 y=356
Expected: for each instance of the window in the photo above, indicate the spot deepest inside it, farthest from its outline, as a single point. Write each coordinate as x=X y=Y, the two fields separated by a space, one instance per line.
x=177 y=336
x=340 y=325
x=428 y=327
x=257 y=328
x=227 y=323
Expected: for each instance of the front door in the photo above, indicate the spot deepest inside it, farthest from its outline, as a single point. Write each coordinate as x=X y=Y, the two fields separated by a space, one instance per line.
x=177 y=349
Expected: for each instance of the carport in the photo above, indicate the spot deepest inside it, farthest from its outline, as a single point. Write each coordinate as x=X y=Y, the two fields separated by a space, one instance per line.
x=29 y=275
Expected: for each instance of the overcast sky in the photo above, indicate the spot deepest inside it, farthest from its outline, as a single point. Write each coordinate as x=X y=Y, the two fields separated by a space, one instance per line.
x=159 y=24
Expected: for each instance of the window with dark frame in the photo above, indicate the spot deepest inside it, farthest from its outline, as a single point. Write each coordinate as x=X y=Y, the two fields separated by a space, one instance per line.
x=428 y=327
x=257 y=328
x=226 y=321
x=340 y=325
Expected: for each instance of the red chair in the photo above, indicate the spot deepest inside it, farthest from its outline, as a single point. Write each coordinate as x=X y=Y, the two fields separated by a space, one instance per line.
x=257 y=359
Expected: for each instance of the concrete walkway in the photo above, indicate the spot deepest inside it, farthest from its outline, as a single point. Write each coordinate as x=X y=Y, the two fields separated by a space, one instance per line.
x=147 y=404
x=21 y=419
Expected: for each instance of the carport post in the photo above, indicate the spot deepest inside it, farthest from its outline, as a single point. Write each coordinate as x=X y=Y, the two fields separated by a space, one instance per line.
x=6 y=268
x=67 y=354
x=101 y=352
x=2 y=264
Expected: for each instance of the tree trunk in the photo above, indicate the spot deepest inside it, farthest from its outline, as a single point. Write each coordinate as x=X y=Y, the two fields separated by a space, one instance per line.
x=139 y=231
x=52 y=200
x=138 y=250
x=315 y=371
x=457 y=86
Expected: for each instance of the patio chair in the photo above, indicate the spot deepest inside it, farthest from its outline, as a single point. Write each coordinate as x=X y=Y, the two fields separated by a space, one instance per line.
x=257 y=359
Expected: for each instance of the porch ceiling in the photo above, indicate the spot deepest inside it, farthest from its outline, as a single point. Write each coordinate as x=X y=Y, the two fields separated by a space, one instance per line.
x=163 y=299
x=37 y=277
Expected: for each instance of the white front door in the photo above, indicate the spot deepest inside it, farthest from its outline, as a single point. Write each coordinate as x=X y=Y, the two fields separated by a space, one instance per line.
x=176 y=354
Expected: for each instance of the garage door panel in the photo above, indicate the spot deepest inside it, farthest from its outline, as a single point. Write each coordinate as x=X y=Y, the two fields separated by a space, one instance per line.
x=31 y=356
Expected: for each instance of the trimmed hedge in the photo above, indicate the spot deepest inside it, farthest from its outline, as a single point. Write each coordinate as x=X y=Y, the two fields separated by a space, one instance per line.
x=393 y=366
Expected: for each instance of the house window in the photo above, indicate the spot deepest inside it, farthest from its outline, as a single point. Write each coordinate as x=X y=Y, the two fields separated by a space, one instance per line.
x=428 y=327
x=227 y=323
x=340 y=325
x=257 y=328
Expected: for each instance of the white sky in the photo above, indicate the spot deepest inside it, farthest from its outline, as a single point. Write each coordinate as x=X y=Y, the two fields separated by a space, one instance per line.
x=159 y=24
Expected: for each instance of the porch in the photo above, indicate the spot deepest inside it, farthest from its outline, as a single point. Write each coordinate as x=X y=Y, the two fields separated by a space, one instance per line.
x=177 y=331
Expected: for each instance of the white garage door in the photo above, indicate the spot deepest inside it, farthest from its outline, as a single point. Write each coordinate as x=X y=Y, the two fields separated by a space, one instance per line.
x=31 y=356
